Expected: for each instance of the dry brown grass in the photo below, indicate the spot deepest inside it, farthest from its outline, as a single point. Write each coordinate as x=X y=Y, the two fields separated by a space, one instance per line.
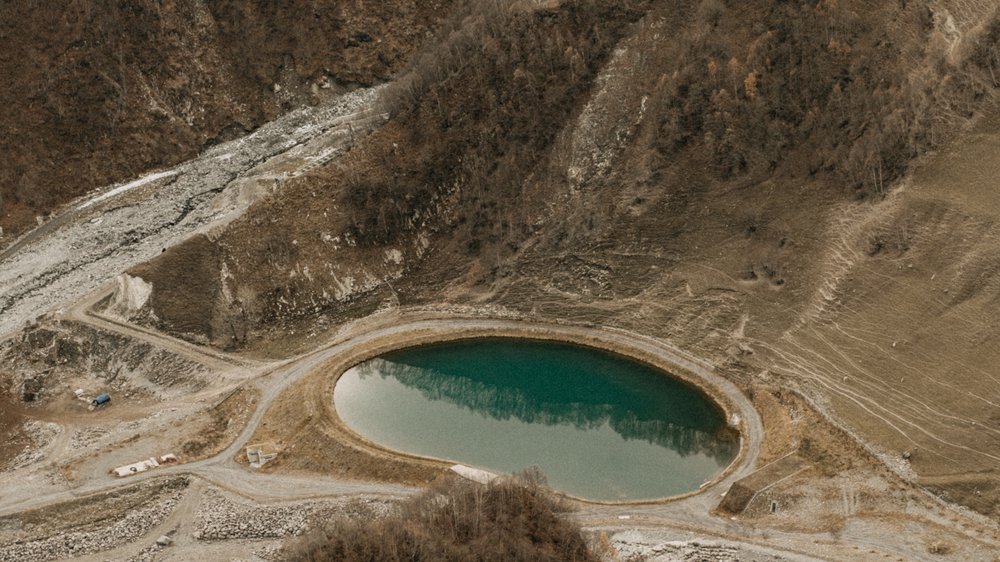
x=222 y=424
x=12 y=419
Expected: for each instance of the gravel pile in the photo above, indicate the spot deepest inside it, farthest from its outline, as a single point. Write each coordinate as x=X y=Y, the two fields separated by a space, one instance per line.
x=131 y=527
x=633 y=546
x=147 y=554
x=86 y=437
x=221 y=518
x=41 y=434
x=263 y=523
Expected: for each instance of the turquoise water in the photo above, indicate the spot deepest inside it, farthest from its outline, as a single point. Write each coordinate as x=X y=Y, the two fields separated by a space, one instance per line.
x=599 y=426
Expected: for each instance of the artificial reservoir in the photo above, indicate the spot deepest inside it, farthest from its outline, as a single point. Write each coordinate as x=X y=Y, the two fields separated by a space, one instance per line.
x=599 y=426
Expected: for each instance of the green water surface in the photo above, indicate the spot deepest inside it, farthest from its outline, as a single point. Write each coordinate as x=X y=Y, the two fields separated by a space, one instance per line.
x=599 y=426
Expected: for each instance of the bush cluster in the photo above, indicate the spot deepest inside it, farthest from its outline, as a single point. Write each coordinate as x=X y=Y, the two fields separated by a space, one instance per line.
x=509 y=520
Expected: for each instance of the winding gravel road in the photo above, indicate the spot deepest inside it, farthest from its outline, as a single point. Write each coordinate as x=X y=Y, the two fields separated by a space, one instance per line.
x=690 y=515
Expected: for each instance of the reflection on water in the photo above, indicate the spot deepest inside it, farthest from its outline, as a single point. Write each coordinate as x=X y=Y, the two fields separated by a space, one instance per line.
x=629 y=416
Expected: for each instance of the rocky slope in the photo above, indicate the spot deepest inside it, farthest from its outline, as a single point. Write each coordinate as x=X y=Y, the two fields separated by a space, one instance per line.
x=99 y=92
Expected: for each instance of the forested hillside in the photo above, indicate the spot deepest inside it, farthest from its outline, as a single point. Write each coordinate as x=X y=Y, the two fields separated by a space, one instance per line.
x=100 y=92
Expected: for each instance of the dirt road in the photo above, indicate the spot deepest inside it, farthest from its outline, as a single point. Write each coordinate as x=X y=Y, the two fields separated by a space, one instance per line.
x=690 y=515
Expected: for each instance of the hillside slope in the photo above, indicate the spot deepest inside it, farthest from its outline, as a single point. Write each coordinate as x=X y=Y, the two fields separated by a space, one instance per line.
x=789 y=189
x=99 y=92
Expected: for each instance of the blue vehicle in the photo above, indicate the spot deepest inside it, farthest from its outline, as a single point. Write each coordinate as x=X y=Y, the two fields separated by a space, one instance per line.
x=101 y=400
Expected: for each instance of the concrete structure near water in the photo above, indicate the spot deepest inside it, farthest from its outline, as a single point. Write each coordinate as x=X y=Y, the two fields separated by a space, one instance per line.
x=258 y=455
x=474 y=474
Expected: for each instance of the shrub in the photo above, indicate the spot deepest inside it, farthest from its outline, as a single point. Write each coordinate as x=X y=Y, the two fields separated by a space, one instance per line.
x=508 y=520
x=710 y=11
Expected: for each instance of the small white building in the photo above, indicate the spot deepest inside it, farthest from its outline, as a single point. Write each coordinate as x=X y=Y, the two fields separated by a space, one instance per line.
x=144 y=465
x=137 y=467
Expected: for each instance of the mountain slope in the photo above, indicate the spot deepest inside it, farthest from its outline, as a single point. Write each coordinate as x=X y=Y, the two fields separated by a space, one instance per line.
x=99 y=92
x=786 y=188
